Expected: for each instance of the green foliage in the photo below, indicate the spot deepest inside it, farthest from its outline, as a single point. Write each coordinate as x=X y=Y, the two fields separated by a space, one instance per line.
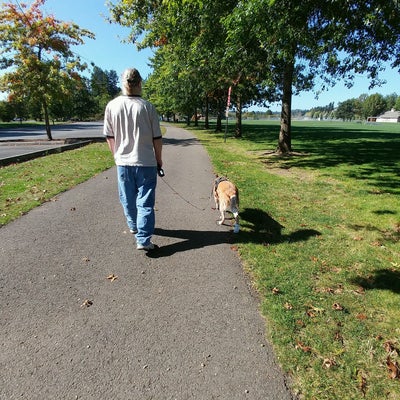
x=348 y=110
x=374 y=105
x=6 y=111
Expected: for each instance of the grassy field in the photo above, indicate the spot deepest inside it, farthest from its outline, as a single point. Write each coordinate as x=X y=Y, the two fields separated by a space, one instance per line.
x=319 y=237
x=26 y=185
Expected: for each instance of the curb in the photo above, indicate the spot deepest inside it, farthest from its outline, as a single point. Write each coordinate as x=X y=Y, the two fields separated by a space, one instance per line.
x=65 y=145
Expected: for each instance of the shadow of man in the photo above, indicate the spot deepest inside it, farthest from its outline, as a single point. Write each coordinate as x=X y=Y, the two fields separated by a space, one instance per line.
x=191 y=239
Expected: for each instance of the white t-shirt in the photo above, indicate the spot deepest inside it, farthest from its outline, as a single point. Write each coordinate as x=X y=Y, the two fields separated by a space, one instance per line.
x=133 y=123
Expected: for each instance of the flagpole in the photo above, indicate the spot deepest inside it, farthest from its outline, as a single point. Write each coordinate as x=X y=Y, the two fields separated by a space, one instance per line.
x=228 y=103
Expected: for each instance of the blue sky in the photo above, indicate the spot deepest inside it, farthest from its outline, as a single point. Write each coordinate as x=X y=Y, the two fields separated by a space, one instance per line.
x=108 y=53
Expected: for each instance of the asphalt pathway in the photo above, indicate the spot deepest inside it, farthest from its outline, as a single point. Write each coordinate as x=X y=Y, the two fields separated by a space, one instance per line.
x=84 y=315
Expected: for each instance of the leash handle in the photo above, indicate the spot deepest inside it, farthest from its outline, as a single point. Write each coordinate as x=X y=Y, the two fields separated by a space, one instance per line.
x=160 y=171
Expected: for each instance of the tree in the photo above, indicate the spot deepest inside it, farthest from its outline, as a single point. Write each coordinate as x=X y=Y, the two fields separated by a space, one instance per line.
x=347 y=110
x=311 y=39
x=390 y=100
x=191 y=48
x=374 y=105
x=37 y=48
x=103 y=86
x=397 y=105
x=6 y=111
x=84 y=105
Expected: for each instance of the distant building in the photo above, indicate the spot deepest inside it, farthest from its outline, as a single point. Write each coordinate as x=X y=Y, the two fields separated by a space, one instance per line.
x=389 y=116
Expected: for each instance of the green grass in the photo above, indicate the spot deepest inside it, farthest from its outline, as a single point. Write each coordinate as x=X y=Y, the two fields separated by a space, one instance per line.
x=26 y=185
x=18 y=124
x=320 y=238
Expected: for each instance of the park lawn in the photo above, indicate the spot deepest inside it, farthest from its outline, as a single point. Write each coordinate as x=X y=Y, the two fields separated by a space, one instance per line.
x=320 y=240
x=26 y=185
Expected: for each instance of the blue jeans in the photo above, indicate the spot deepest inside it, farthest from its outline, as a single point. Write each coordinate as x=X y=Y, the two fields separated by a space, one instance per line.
x=137 y=193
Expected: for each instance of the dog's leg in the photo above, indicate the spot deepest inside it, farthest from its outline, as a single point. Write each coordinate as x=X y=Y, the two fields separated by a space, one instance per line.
x=236 y=226
x=222 y=219
x=235 y=212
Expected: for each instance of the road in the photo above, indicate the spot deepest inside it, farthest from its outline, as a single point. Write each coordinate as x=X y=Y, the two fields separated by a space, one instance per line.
x=22 y=141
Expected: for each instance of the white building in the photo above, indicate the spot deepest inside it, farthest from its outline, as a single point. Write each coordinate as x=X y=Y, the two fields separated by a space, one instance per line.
x=389 y=116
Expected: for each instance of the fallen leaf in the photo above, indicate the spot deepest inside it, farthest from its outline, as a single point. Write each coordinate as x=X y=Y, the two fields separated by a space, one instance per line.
x=362 y=383
x=339 y=337
x=311 y=314
x=337 y=307
x=288 y=306
x=328 y=363
x=275 y=290
x=394 y=264
x=86 y=259
x=302 y=346
x=361 y=317
x=318 y=310
x=87 y=303
x=393 y=367
x=390 y=347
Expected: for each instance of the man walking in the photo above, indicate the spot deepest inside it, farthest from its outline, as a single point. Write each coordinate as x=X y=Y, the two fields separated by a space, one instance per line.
x=132 y=130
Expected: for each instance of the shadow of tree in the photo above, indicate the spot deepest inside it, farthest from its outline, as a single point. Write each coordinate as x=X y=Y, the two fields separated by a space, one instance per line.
x=180 y=142
x=385 y=279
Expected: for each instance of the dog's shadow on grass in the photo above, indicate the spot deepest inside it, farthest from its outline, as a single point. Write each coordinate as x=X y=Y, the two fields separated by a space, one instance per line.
x=383 y=279
x=260 y=228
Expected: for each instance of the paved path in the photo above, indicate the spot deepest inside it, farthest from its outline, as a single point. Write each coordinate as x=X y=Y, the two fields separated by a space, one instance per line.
x=180 y=324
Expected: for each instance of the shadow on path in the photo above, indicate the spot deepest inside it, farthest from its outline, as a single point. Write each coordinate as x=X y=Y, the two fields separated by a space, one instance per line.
x=191 y=240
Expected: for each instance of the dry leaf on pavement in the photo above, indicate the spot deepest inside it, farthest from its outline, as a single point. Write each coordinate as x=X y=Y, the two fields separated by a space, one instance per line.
x=112 y=277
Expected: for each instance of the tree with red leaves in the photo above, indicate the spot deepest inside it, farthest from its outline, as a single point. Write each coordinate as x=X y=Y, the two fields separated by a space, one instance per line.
x=36 y=54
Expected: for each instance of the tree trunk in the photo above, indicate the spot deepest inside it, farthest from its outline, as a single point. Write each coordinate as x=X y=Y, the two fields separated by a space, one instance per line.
x=206 y=120
x=47 y=120
x=285 y=134
x=238 y=130
x=219 y=122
